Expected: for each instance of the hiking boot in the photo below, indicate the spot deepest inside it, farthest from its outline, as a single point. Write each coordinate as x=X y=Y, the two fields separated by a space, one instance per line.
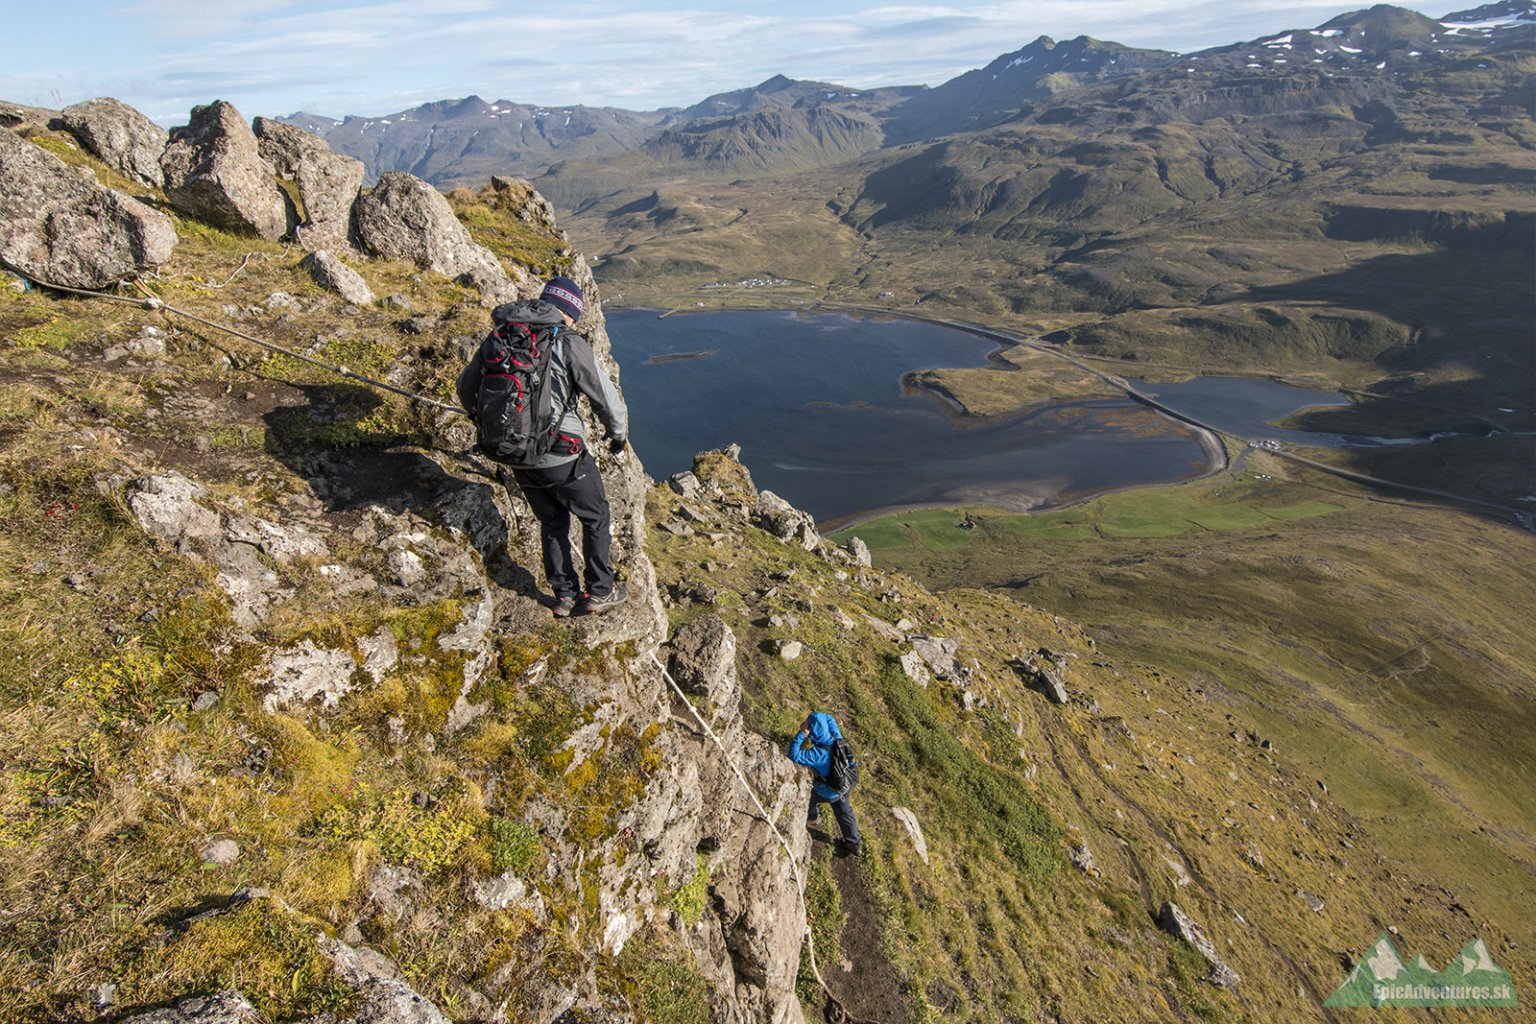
x=591 y=605
x=565 y=607
x=847 y=849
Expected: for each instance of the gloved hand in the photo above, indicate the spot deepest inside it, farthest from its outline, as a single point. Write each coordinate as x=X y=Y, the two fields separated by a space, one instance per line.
x=616 y=445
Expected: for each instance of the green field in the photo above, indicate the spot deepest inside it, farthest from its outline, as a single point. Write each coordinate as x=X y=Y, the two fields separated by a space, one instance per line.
x=1243 y=502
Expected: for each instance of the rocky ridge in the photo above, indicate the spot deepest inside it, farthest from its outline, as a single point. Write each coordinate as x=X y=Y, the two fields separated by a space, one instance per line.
x=452 y=553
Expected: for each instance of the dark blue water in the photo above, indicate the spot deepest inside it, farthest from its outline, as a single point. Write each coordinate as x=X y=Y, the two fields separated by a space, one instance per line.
x=1249 y=407
x=817 y=405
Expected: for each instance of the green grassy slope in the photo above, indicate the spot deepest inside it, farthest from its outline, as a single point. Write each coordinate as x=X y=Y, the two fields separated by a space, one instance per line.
x=1185 y=776
x=1379 y=644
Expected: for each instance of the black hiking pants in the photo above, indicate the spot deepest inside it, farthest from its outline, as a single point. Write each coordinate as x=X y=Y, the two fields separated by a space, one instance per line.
x=555 y=495
x=842 y=810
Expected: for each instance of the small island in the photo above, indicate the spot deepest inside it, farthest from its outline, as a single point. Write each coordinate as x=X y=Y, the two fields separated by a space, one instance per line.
x=678 y=357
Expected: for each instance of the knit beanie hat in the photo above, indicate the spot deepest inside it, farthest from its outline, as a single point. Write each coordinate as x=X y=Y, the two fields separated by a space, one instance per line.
x=565 y=295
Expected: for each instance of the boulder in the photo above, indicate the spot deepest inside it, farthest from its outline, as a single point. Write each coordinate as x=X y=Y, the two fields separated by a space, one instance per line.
x=405 y=218
x=167 y=506
x=1045 y=679
x=214 y=172
x=530 y=207
x=939 y=653
x=16 y=115
x=1082 y=858
x=914 y=830
x=120 y=137
x=495 y=284
x=784 y=521
x=1174 y=921
x=328 y=182
x=226 y=1007
x=333 y=275
x=913 y=668
x=221 y=852
x=383 y=995
x=860 y=552
x=703 y=659
x=58 y=225
x=149 y=343
x=685 y=484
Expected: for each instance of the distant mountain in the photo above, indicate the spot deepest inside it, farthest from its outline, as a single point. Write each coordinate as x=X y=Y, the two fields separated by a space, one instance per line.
x=465 y=141
x=1298 y=81
x=773 y=139
x=1113 y=153
x=1491 y=17
x=1009 y=85
x=780 y=91
x=317 y=124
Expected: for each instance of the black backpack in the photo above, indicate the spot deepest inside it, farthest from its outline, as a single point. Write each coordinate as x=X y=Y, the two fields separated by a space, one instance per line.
x=514 y=414
x=842 y=768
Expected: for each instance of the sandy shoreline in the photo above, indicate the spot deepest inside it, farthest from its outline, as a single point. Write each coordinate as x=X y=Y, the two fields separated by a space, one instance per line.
x=1037 y=501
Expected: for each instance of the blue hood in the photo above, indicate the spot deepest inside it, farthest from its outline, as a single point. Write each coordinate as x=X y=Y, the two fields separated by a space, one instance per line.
x=824 y=729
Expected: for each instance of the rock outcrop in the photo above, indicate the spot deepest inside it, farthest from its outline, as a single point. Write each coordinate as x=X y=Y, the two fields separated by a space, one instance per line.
x=786 y=522
x=57 y=224
x=328 y=182
x=748 y=944
x=226 y=1007
x=458 y=567
x=381 y=989
x=1174 y=921
x=214 y=171
x=404 y=218
x=120 y=137
x=914 y=830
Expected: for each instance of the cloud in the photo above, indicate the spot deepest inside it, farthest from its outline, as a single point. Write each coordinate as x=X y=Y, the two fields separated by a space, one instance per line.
x=201 y=18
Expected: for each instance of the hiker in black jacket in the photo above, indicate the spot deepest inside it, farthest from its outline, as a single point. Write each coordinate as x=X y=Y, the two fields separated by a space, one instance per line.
x=565 y=482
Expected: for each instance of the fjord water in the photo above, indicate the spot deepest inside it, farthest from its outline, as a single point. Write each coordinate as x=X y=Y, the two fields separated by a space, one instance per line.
x=816 y=403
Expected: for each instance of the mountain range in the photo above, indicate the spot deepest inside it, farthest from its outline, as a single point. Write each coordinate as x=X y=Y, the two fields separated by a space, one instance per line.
x=458 y=141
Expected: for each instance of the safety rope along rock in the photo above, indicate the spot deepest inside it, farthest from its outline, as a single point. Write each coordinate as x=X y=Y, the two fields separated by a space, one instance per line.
x=154 y=302
x=836 y=1008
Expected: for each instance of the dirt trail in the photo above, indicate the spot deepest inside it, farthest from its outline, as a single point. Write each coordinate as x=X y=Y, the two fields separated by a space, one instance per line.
x=861 y=977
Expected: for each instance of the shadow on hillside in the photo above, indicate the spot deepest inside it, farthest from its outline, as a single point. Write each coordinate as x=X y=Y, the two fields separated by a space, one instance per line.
x=1467 y=368
x=351 y=466
x=1470 y=309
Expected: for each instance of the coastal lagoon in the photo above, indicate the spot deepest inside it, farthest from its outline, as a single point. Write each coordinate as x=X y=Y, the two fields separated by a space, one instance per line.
x=816 y=402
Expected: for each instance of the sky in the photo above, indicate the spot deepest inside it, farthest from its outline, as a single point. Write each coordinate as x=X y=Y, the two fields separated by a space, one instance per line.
x=375 y=57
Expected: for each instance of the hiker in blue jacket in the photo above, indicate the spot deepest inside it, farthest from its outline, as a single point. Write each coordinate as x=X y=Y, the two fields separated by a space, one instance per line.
x=821 y=731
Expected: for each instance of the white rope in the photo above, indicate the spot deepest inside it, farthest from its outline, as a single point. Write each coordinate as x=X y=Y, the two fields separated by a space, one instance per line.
x=794 y=865
x=154 y=302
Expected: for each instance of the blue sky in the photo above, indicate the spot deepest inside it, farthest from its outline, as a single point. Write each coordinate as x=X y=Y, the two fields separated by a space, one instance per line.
x=373 y=57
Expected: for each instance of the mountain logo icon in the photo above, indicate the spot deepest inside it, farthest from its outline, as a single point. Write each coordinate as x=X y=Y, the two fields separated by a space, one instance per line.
x=1383 y=978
